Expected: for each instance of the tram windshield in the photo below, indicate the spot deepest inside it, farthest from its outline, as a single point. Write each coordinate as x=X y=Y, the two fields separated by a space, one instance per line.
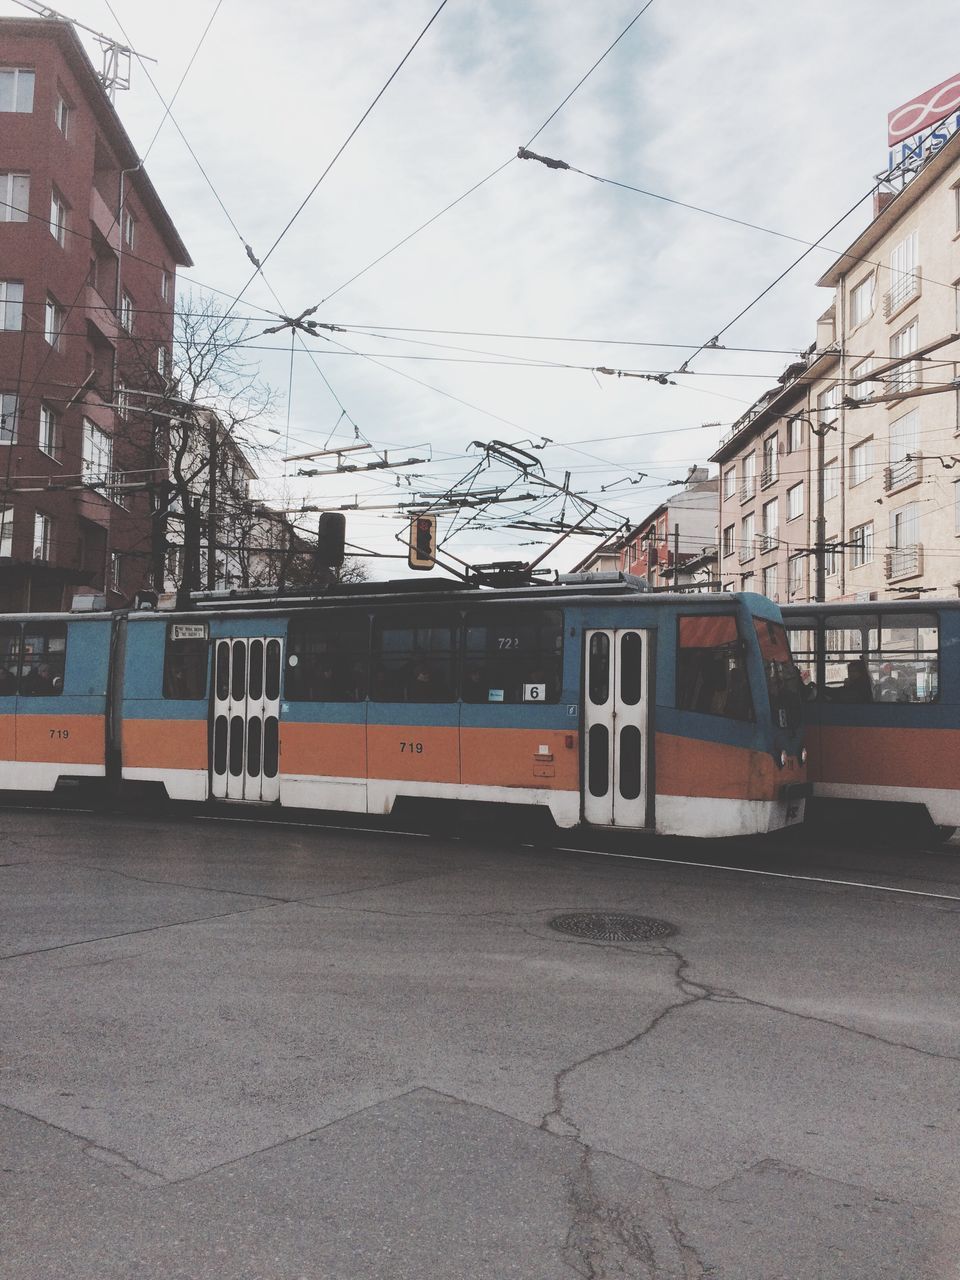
x=783 y=679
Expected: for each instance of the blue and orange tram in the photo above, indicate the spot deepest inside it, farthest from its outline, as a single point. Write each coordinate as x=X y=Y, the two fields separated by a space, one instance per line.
x=882 y=702
x=592 y=697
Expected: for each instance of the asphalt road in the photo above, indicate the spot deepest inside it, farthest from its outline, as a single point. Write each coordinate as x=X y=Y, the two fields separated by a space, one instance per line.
x=251 y=1051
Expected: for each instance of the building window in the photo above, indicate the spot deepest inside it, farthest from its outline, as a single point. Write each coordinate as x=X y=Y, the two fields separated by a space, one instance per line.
x=749 y=477
x=861 y=462
x=907 y=375
x=129 y=228
x=115 y=566
x=14 y=197
x=59 y=210
x=831 y=560
x=904 y=273
x=794 y=434
x=61 y=114
x=9 y=413
x=16 y=89
x=728 y=539
x=747 y=538
x=956 y=207
x=53 y=321
x=771 y=519
x=904 y=466
x=905 y=527
x=163 y=365
x=126 y=311
x=6 y=532
x=860 y=387
x=831 y=479
x=828 y=405
x=795 y=501
x=49 y=432
x=769 y=472
x=861 y=549
x=861 y=300
x=165 y=285
x=795 y=575
x=956 y=506
x=42 y=528
x=97 y=454
x=770 y=581
x=11 y=304
x=747 y=581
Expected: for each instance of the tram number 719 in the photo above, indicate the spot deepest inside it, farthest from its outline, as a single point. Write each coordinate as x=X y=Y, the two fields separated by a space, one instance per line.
x=413 y=747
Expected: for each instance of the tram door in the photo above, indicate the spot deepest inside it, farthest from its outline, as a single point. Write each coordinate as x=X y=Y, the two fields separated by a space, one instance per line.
x=244 y=762
x=616 y=727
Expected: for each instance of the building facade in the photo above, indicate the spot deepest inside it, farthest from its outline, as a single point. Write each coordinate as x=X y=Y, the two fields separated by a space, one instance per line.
x=88 y=258
x=675 y=545
x=863 y=433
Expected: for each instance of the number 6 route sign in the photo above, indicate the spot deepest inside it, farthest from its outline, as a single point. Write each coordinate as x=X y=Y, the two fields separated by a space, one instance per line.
x=534 y=693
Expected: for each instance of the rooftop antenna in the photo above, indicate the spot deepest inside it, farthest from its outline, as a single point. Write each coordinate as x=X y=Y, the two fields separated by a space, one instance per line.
x=116 y=56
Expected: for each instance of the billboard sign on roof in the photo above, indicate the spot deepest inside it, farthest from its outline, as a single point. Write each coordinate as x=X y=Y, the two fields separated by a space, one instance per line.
x=923 y=111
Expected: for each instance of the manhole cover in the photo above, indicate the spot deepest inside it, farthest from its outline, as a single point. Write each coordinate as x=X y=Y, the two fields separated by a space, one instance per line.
x=612 y=926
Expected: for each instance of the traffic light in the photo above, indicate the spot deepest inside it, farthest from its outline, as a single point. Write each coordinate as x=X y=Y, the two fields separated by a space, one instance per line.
x=331 y=533
x=423 y=542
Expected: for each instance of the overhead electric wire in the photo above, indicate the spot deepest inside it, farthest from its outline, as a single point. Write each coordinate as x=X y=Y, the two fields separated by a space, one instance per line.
x=493 y=174
x=343 y=146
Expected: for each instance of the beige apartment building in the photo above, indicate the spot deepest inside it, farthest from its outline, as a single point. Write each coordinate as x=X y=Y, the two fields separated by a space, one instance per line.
x=864 y=429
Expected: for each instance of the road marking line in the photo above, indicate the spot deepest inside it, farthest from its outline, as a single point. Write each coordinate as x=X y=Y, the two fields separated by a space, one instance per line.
x=755 y=871
x=312 y=826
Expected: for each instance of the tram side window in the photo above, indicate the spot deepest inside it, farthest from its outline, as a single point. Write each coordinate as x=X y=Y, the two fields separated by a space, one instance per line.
x=882 y=658
x=802 y=635
x=711 y=667
x=328 y=658
x=9 y=658
x=413 y=659
x=513 y=656
x=849 y=640
x=184 y=664
x=906 y=668
x=44 y=659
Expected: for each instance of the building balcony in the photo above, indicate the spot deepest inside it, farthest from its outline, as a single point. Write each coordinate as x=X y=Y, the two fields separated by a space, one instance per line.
x=104 y=220
x=904 y=562
x=769 y=541
x=768 y=476
x=748 y=550
x=905 y=288
x=902 y=473
x=747 y=490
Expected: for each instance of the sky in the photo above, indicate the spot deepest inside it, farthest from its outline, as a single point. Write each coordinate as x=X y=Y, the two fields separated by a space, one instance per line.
x=763 y=110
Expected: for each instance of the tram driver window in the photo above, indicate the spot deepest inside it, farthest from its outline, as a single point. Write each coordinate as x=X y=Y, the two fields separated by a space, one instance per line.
x=412 y=658
x=9 y=658
x=44 y=657
x=185 y=661
x=711 y=667
x=513 y=656
x=328 y=658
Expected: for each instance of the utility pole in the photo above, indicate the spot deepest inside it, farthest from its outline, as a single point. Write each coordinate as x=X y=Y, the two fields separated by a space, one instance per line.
x=820 y=526
x=676 y=555
x=212 y=444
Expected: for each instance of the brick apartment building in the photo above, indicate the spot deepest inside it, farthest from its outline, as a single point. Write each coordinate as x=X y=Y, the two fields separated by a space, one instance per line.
x=88 y=256
x=674 y=545
x=863 y=431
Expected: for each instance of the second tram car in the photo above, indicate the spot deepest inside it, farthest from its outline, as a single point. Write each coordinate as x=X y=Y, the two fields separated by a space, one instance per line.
x=605 y=703
x=882 y=701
